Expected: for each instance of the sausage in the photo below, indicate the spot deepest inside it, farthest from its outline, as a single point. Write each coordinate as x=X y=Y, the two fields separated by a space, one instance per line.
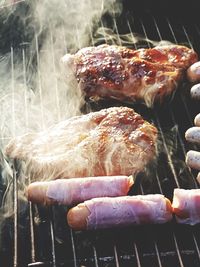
x=99 y=213
x=195 y=91
x=193 y=72
x=76 y=190
x=197 y=120
x=193 y=159
x=193 y=135
x=186 y=205
x=198 y=177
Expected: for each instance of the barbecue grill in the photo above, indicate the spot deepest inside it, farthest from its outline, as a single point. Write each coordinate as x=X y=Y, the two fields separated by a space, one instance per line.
x=39 y=236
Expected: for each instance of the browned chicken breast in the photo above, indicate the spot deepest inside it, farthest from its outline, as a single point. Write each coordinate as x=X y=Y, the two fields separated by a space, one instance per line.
x=110 y=71
x=113 y=141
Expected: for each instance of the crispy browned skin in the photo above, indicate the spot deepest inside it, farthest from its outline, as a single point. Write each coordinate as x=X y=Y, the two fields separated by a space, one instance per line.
x=113 y=141
x=126 y=74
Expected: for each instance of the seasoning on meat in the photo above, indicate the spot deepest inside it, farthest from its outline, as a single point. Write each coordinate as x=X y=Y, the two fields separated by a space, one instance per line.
x=113 y=141
x=110 y=71
x=120 y=211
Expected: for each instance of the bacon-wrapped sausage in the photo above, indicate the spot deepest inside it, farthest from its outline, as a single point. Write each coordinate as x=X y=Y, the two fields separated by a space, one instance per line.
x=76 y=190
x=186 y=205
x=120 y=211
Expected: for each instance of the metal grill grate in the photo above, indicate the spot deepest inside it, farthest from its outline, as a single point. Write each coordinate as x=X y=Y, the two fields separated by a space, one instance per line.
x=40 y=236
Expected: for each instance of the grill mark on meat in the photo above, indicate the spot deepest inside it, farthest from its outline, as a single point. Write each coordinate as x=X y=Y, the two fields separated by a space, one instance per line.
x=131 y=75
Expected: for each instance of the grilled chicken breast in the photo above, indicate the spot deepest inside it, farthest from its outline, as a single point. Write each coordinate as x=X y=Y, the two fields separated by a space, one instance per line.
x=110 y=71
x=113 y=141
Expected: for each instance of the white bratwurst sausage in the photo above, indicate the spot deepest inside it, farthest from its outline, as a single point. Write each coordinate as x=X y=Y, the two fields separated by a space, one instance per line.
x=193 y=72
x=193 y=135
x=193 y=159
x=195 y=91
x=197 y=120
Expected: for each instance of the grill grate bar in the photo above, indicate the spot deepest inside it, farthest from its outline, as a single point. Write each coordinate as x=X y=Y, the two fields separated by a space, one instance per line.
x=137 y=255
x=196 y=246
x=13 y=90
x=25 y=84
x=145 y=34
x=15 y=210
x=157 y=29
x=170 y=161
x=77 y=37
x=39 y=79
x=64 y=39
x=187 y=36
x=55 y=76
x=95 y=256
x=53 y=244
x=132 y=36
x=116 y=256
x=178 y=251
x=32 y=237
x=115 y=26
x=91 y=36
x=159 y=184
x=158 y=255
x=172 y=32
x=187 y=111
x=73 y=248
x=30 y=206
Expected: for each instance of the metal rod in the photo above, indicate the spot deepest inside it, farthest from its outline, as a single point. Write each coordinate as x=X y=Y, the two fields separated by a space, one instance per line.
x=55 y=74
x=137 y=255
x=25 y=85
x=117 y=32
x=196 y=246
x=171 y=165
x=33 y=259
x=132 y=36
x=15 y=209
x=73 y=248
x=116 y=256
x=53 y=252
x=187 y=36
x=13 y=90
x=91 y=36
x=95 y=256
x=172 y=32
x=145 y=34
x=178 y=251
x=157 y=254
x=39 y=80
x=104 y=33
x=157 y=29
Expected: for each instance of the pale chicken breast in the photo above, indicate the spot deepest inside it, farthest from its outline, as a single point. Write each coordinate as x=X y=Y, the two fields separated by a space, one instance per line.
x=113 y=141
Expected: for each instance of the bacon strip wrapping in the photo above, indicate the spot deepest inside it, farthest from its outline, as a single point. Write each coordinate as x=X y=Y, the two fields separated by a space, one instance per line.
x=76 y=190
x=121 y=211
x=186 y=205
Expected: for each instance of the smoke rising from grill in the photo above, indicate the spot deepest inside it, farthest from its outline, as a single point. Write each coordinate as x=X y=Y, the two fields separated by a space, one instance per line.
x=34 y=93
